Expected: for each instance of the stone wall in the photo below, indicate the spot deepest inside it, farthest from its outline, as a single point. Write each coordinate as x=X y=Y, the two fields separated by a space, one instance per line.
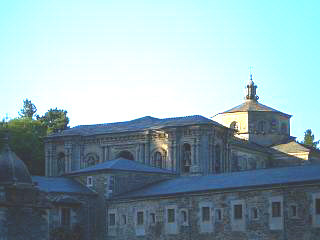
x=265 y=214
x=82 y=213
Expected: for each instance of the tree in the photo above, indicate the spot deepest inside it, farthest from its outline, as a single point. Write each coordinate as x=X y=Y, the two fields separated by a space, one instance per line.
x=55 y=120
x=28 y=110
x=309 y=139
x=25 y=139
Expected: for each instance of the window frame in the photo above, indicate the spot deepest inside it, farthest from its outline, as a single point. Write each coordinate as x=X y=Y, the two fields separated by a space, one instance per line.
x=254 y=213
x=291 y=212
x=111 y=221
x=89 y=181
x=218 y=216
x=140 y=218
x=65 y=219
x=152 y=217
x=205 y=214
x=170 y=216
x=317 y=206
x=238 y=211
x=276 y=209
x=276 y=213
x=184 y=217
x=124 y=219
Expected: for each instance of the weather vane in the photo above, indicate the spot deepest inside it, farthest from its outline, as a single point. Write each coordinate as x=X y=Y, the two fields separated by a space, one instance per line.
x=250 y=72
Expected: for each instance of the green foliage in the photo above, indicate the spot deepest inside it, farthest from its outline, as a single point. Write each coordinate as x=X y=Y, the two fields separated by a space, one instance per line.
x=25 y=136
x=28 y=110
x=55 y=120
x=309 y=139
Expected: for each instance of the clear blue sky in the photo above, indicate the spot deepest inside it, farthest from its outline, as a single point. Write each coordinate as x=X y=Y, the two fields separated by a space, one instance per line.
x=106 y=61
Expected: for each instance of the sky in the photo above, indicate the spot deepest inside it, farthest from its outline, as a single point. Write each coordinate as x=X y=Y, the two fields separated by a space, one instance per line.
x=114 y=60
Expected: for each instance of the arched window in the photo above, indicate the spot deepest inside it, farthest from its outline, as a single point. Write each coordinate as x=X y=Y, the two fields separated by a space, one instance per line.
x=91 y=159
x=235 y=126
x=284 y=128
x=158 y=160
x=61 y=163
x=125 y=154
x=261 y=126
x=217 y=162
x=186 y=158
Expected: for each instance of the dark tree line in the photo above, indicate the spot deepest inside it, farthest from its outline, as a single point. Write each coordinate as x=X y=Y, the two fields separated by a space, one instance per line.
x=27 y=131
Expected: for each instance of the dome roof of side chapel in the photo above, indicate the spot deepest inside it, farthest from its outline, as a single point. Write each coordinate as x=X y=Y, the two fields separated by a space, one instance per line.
x=12 y=168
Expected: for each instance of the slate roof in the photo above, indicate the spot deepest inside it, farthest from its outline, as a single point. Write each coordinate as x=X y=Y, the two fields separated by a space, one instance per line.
x=140 y=124
x=235 y=180
x=121 y=164
x=60 y=185
x=250 y=145
x=294 y=147
x=291 y=147
x=12 y=168
x=253 y=106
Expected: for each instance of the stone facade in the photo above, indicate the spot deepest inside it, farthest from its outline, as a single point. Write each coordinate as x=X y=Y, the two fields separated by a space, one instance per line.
x=239 y=214
x=176 y=178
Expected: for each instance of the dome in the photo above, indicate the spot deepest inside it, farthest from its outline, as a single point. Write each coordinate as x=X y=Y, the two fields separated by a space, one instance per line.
x=12 y=168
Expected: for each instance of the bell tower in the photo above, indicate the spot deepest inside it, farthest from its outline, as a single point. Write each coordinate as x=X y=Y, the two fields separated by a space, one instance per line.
x=251 y=90
x=254 y=121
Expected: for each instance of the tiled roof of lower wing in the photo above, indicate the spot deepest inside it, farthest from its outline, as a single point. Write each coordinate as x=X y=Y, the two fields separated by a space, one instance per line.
x=139 y=124
x=60 y=185
x=121 y=164
x=246 y=179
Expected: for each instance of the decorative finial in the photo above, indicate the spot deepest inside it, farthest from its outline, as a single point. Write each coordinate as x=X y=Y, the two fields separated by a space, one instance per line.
x=251 y=93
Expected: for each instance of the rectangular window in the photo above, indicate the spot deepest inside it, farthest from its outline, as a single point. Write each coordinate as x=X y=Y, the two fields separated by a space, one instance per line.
x=184 y=216
x=317 y=205
x=218 y=214
x=254 y=213
x=89 y=181
x=152 y=218
x=124 y=219
x=237 y=211
x=293 y=211
x=171 y=215
x=65 y=217
x=139 y=218
x=112 y=219
x=276 y=209
x=205 y=214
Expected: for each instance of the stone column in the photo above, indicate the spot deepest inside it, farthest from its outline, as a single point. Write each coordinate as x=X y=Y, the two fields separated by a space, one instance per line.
x=176 y=163
x=147 y=149
x=198 y=149
x=68 y=157
x=48 y=159
x=53 y=160
x=213 y=158
x=195 y=168
x=140 y=153
x=170 y=155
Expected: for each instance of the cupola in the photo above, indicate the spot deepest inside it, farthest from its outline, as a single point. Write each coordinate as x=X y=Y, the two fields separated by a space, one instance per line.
x=12 y=168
